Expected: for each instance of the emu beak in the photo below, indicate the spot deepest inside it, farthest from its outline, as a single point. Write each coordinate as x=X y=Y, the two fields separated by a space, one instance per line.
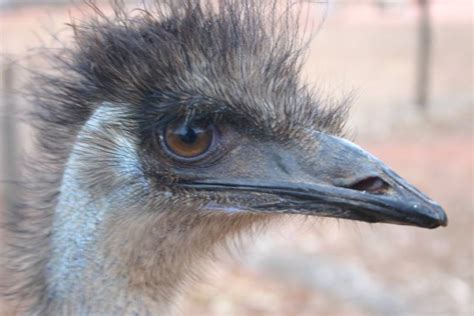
x=359 y=186
x=340 y=180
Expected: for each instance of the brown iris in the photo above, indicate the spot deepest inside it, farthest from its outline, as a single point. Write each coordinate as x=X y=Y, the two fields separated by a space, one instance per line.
x=188 y=140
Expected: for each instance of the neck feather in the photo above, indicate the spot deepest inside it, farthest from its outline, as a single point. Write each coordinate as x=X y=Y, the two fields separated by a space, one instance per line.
x=118 y=247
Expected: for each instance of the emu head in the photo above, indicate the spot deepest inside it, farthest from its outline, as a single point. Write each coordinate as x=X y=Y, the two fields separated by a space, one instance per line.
x=197 y=111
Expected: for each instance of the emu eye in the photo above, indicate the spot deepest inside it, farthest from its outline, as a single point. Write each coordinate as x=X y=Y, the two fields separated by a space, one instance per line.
x=188 y=140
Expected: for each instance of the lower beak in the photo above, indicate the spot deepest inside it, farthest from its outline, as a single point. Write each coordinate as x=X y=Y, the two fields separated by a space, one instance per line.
x=351 y=184
x=398 y=207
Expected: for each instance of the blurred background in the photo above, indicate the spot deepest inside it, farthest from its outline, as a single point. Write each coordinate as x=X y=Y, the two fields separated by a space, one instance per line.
x=410 y=66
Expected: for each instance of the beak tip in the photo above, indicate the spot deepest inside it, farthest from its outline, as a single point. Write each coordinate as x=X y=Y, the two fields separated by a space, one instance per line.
x=440 y=218
x=443 y=219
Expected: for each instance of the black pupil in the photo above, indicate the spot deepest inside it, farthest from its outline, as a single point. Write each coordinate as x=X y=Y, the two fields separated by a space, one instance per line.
x=188 y=135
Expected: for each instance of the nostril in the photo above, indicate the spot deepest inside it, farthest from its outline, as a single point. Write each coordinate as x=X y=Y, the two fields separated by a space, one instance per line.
x=373 y=185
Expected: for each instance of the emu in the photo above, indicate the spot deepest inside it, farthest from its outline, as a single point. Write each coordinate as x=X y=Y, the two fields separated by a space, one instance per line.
x=167 y=131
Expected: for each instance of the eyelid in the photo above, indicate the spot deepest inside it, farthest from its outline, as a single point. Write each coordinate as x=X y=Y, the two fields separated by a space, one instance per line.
x=208 y=110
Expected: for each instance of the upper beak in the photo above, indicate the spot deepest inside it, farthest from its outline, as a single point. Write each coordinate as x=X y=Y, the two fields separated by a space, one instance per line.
x=341 y=180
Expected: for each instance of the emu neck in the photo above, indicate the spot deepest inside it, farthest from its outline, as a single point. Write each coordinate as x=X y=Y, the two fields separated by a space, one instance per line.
x=98 y=255
x=112 y=251
x=119 y=246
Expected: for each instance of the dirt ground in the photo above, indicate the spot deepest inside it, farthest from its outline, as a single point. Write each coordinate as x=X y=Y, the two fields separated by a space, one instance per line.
x=328 y=267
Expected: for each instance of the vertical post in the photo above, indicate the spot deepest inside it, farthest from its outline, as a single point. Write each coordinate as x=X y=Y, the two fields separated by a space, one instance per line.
x=9 y=139
x=424 y=55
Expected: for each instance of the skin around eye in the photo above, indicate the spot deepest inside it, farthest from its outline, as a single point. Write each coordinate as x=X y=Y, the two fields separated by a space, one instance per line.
x=188 y=140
